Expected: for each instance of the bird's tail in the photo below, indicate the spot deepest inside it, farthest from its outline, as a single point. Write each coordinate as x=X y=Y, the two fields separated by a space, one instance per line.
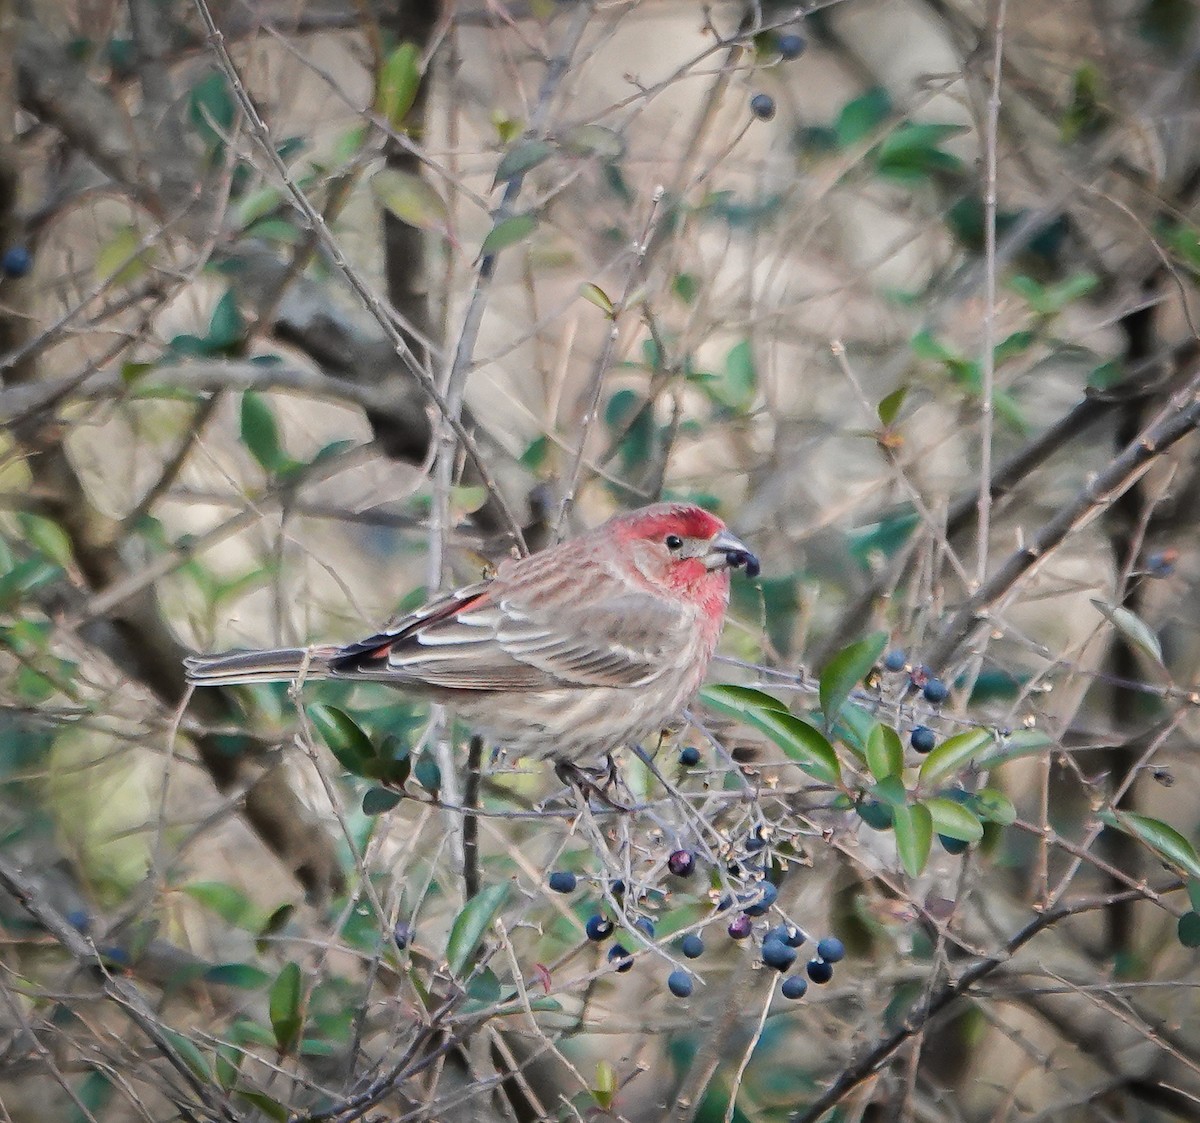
x=238 y=668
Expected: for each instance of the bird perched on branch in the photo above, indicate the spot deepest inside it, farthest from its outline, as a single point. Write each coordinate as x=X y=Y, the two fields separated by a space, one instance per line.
x=592 y=644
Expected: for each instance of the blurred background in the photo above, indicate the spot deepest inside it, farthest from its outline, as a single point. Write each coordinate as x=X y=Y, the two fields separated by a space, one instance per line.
x=310 y=309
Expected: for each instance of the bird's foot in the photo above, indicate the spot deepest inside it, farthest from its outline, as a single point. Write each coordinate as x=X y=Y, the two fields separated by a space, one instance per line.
x=592 y=782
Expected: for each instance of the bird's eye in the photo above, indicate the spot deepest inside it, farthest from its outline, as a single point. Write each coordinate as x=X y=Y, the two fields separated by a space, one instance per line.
x=674 y=542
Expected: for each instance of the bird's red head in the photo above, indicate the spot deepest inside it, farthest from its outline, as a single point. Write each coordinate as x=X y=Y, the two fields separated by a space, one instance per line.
x=685 y=548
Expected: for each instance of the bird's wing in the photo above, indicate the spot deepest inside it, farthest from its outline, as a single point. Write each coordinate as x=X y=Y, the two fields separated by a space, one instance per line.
x=496 y=637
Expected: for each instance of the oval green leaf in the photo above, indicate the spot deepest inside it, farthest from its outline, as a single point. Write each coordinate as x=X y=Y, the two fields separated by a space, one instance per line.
x=994 y=806
x=953 y=819
x=507 y=233
x=1022 y=743
x=913 y=825
x=845 y=671
x=1161 y=837
x=411 y=199
x=594 y=294
x=523 y=157
x=346 y=740
x=803 y=744
x=260 y=433
x=885 y=753
x=953 y=753
x=1189 y=929
x=399 y=80
x=284 y=1006
x=378 y=800
x=476 y=917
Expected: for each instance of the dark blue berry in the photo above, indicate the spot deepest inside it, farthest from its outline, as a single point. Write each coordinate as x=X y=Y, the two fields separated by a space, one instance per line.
x=79 y=919
x=646 y=926
x=953 y=845
x=598 y=928
x=935 y=691
x=923 y=738
x=563 y=881
x=402 y=934
x=762 y=106
x=1161 y=563
x=682 y=863
x=740 y=927
x=787 y=934
x=819 y=970
x=875 y=814
x=619 y=955
x=692 y=946
x=679 y=983
x=766 y=896
x=791 y=45
x=831 y=949
x=617 y=888
x=895 y=660
x=689 y=756
x=755 y=841
x=17 y=261
x=795 y=987
x=726 y=902
x=775 y=953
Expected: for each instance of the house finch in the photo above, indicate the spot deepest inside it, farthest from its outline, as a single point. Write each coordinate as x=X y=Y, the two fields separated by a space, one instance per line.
x=592 y=644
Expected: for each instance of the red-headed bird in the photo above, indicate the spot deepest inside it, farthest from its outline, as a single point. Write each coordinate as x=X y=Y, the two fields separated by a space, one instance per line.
x=595 y=643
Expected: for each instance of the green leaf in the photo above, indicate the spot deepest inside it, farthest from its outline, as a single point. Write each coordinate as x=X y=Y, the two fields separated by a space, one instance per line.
x=47 y=537
x=1193 y=891
x=244 y=976
x=226 y=328
x=1159 y=836
x=398 y=83
x=378 y=800
x=803 y=744
x=881 y=539
x=913 y=825
x=233 y=906
x=1022 y=743
x=507 y=233
x=411 y=199
x=119 y=261
x=885 y=753
x=889 y=407
x=862 y=116
x=994 y=806
x=211 y=108
x=260 y=433
x=284 y=1004
x=845 y=671
x=348 y=743
x=604 y=1089
x=523 y=157
x=1135 y=630
x=739 y=381
x=953 y=819
x=427 y=773
x=189 y=1053
x=890 y=791
x=272 y=1109
x=953 y=753
x=471 y=924
x=94 y=1092
x=593 y=140
x=1013 y=345
x=594 y=294
x=25 y=577
x=1189 y=929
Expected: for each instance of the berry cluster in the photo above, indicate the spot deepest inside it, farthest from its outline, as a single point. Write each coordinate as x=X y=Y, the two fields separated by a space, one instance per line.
x=777 y=945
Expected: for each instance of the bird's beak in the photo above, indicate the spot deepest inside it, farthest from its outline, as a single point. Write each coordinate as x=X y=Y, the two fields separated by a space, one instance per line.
x=728 y=551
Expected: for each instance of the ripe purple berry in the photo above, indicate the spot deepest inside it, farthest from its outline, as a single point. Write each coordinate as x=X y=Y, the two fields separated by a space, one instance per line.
x=682 y=863
x=740 y=927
